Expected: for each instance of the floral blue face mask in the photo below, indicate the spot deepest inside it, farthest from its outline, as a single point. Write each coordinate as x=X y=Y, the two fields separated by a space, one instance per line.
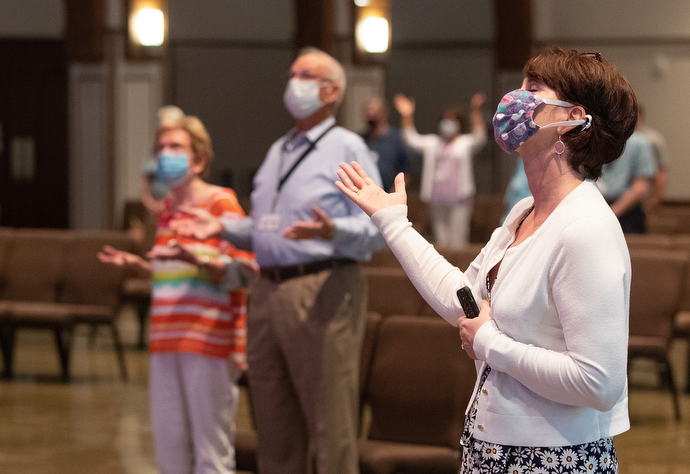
x=514 y=118
x=173 y=168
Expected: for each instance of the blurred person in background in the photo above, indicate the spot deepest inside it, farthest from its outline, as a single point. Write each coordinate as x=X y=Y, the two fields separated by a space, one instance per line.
x=384 y=141
x=447 y=171
x=198 y=312
x=659 y=150
x=626 y=183
x=517 y=189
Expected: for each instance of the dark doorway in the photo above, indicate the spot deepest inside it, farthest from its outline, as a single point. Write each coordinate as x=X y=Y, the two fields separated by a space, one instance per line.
x=34 y=188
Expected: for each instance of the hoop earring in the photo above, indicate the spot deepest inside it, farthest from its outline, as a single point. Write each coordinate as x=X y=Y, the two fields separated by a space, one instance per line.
x=559 y=146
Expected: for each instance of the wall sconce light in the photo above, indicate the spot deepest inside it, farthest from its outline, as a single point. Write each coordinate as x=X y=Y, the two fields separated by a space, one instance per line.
x=148 y=26
x=372 y=31
x=147 y=29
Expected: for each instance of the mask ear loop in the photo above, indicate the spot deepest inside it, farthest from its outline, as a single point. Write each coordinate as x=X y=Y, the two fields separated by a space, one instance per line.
x=588 y=122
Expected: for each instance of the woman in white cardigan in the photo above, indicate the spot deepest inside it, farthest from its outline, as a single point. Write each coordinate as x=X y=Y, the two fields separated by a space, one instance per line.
x=550 y=342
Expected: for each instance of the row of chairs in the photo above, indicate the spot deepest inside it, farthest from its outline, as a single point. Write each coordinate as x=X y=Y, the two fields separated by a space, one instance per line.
x=51 y=279
x=392 y=292
x=680 y=326
x=659 y=306
x=415 y=383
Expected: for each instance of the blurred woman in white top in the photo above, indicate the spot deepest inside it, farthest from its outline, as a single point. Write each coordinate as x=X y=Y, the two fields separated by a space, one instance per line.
x=447 y=171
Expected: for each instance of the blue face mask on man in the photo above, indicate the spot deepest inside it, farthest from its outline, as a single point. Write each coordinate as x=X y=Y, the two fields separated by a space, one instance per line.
x=173 y=168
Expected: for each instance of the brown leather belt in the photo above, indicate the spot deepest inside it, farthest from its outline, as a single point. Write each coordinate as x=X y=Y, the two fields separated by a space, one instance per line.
x=278 y=274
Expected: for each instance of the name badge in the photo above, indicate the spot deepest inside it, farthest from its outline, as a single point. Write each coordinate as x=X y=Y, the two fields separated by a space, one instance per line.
x=269 y=222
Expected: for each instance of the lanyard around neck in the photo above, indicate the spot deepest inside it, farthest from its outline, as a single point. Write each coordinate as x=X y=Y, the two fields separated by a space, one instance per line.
x=312 y=145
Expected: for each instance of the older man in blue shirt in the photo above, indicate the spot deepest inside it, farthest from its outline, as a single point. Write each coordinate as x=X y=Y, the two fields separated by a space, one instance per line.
x=306 y=314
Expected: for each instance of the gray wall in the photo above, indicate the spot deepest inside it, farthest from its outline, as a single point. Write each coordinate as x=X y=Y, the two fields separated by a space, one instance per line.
x=237 y=92
x=32 y=19
x=229 y=63
x=650 y=44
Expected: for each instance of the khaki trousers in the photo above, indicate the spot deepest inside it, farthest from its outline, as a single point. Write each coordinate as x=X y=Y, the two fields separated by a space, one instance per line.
x=304 y=340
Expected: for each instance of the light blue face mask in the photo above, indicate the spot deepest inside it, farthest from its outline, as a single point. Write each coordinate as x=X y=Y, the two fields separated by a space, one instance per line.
x=156 y=189
x=173 y=168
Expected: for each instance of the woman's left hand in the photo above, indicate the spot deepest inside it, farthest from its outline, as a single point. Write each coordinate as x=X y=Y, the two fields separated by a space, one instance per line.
x=469 y=327
x=364 y=192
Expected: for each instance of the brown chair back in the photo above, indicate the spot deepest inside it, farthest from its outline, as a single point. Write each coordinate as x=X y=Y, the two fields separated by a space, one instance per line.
x=657 y=286
x=33 y=266
x=7 y=236
x=420 y=382
x=368 y=345
x=658 y=282
x=391 y=291
x=461 y=257
x=658 y=241
x=86 y=280
x=383 y=258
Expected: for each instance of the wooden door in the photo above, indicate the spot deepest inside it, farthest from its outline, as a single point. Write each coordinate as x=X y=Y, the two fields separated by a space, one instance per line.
x=33 y=134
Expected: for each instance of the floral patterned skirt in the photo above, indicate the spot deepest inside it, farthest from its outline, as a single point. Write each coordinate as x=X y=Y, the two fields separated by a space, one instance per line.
x=480 y=457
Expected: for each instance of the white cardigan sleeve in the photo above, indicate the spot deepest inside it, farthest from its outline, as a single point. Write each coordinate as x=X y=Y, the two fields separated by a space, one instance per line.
x=590 y=283
x=434 y=277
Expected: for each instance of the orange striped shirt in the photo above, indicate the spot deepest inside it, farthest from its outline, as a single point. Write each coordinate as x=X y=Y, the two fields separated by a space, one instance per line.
x=189 y=313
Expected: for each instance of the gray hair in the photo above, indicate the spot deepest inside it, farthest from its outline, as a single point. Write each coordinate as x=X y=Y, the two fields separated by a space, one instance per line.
x=336 y=72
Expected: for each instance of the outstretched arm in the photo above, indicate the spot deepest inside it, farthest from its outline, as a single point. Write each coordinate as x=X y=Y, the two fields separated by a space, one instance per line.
x=201 y=224
x=195 y=222
x=127 y=260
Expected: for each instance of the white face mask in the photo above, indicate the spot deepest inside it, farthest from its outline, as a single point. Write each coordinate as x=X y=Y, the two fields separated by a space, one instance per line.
x=301 y=98
x=448 y=128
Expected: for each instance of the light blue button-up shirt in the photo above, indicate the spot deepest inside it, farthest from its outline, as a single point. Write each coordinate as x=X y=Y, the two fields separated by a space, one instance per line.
x=637 y=161
x=311 y=183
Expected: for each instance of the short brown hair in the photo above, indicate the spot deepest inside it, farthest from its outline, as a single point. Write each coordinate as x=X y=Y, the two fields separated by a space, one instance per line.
x=605 y=94
x=172 y=118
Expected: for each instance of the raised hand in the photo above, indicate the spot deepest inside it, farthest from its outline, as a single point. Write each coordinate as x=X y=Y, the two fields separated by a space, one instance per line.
x=364 y=192
x=404 y=105
x=477 y=100
x=197 y=223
